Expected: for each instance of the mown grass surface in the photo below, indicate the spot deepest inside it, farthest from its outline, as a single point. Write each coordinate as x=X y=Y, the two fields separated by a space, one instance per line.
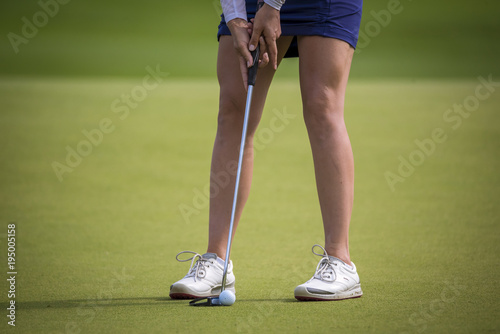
x=96 y=252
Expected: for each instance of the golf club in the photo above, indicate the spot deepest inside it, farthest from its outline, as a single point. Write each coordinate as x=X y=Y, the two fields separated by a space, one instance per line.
x=252 y=75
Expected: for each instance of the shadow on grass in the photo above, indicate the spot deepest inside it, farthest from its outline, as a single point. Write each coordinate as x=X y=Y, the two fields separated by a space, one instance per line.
x=119 y=302
x=84 y=303
x=285 y=300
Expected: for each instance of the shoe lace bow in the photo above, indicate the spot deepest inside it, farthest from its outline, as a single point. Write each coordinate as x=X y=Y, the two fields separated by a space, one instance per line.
x=198 y=264
x=325 y=270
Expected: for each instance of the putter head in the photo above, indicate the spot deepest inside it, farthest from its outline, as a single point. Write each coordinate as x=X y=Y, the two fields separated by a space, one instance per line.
x=205 y=301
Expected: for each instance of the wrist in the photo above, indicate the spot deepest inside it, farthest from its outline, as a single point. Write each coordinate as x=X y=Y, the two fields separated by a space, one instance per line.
x=276 y=4
x=237 y=23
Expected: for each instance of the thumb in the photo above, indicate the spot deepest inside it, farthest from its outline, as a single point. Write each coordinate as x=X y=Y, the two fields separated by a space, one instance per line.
x=247 y=57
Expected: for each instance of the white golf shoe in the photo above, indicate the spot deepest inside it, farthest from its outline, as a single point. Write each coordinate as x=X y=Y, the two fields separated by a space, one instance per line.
x=204 y=278
x=333 y=280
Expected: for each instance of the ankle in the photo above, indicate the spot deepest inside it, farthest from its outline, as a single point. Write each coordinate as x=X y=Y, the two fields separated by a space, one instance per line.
x=342 y=254
x=219 y=252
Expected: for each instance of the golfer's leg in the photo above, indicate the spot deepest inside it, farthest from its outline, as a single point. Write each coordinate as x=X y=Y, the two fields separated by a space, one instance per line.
x=228 y=138
x=324 y=70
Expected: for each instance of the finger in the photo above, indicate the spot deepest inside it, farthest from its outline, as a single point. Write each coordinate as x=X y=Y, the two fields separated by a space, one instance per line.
x=245 y=54
x=264 y=61
x=250 y=29
x=244 y=72
x=257 y=32
x=263 y=46
x=273 y=52
x=264 y=56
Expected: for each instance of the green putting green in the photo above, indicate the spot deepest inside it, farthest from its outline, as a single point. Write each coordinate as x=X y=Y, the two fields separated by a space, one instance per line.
x=96 y=251
x=107 y=118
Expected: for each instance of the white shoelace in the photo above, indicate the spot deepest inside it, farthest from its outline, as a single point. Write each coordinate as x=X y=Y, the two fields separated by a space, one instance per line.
x=325 y=270
x=197 y=269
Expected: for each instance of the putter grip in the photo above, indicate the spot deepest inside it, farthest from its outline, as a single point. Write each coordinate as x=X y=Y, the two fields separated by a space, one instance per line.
x=252 y=71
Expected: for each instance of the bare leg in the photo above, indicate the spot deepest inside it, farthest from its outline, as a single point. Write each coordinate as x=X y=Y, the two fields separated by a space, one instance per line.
x=227 y=140
x=324 y=71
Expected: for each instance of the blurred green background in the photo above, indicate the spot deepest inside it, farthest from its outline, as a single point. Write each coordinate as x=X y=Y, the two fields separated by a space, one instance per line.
x=96 y=252
x=119 y=38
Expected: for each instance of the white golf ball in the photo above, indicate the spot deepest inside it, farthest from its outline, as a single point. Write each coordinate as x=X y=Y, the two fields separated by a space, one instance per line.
x=227 y=298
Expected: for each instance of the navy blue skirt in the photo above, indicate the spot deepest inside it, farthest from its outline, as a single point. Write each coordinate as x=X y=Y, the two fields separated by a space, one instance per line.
x=328 y=18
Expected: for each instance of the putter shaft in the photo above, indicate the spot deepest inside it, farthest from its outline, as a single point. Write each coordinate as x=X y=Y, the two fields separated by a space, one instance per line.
x=237 y=184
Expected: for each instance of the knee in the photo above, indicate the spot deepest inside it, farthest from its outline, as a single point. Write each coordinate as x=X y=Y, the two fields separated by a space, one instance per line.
x=230 y=121
x=230 y=115
x=323 y=109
